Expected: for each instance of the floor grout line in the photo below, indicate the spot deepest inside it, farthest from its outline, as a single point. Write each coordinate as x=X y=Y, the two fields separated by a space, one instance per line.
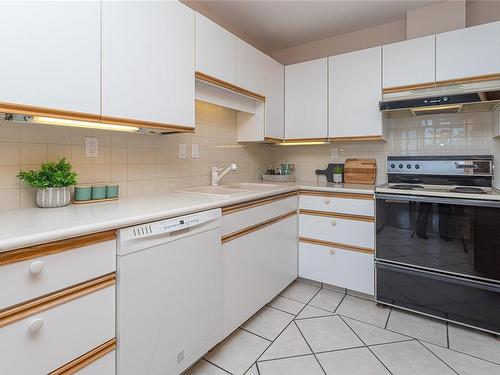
x=388 y=317
x=347 y=324
x=340 y=303
x=213 y=364
x=312 y=351
x=447 y=336
x=435 y=355
x=255 y=334
x=283 y=311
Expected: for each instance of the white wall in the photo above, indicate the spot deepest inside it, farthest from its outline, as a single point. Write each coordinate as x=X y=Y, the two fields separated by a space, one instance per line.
x=436 y=18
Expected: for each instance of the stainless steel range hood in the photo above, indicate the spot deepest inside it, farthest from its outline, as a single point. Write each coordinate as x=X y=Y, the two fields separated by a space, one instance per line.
x=442 y=98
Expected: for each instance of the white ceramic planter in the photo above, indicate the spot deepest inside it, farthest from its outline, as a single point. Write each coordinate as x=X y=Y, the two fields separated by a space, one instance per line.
x=53 y=197
x=337 y=178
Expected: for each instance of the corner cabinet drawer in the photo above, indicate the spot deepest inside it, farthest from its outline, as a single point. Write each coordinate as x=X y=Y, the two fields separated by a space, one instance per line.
x=43 y=341
x=43 y=274
x=354 y=204
x=247 y=214
x=337 y=230
x=344 y=268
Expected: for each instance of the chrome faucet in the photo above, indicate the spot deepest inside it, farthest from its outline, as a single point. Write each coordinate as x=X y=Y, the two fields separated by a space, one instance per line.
x=216 y=177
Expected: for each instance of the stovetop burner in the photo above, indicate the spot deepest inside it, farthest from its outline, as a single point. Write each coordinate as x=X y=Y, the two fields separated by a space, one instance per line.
x=406 y=187
x=468 y=190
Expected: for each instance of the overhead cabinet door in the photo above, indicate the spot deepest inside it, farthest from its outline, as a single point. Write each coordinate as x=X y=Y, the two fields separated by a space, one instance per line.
x=355 y=92
x=215 y=50
x=469 y=52
x=275 y=99
x=51 y=54
x=409 y=64
x=148 y=62
x=250 y=68
x=306 y=104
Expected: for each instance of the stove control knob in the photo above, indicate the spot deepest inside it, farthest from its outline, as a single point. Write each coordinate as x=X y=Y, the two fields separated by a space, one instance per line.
x=400 y=166
x=408 y=166
x=417 y=166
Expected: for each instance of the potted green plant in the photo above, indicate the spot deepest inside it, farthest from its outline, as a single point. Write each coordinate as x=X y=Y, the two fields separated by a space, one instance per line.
x=52 y=182
x=337 y=174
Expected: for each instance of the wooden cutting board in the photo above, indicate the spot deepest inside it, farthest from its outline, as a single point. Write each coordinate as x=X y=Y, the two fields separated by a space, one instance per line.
x=360 y=171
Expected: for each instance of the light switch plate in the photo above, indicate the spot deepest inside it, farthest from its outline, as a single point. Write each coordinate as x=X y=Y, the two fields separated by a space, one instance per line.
x=182 y=151
x=91 y=147
x=194 y=151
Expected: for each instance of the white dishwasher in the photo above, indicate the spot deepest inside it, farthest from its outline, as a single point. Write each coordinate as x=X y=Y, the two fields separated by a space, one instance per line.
x=168 y=293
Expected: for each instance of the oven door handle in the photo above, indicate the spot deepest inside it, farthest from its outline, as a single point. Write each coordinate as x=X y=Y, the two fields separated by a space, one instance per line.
x=443 y=200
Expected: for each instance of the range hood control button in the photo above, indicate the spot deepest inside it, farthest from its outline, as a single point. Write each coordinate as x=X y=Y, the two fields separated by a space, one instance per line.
x=417 y=166
x=408 y=166
x=400 y=166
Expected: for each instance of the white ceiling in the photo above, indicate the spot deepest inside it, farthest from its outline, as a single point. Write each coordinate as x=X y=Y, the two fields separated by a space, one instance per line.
x=273 y=25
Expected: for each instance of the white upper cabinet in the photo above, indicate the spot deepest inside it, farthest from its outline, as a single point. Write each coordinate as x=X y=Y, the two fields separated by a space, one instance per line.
x=275 y=99
x=408 y=63
x=215 y=50
x=306 y=103
x=469 y=52
x=51 y=54
x=148 y=69
x=355 y=92
x=250 y=68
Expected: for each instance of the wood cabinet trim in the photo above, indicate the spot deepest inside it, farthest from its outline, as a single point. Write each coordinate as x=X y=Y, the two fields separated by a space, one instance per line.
x=272 y=140
x=86 y=359
x=361 y=138
x=25 y=253
x=338 y=245
x=259 y=202
x=338 y=215
x=305 y=140
x=23 y=310
x=481 y=78
x=330 y=194
x=417 y=86
x=228 y=86
x=253 y=228
x=146 y=124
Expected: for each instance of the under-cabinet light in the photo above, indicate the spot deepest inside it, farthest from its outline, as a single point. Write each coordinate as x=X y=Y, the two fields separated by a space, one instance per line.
x=436 y=108
x=84 y=124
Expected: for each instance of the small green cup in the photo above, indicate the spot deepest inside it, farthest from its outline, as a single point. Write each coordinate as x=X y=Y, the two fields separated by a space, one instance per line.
x=98 y=192
x=83 y=193
x=112 y=191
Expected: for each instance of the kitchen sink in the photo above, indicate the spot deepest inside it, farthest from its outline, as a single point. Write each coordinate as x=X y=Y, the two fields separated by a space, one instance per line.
x=250 y=186
x=217 y=191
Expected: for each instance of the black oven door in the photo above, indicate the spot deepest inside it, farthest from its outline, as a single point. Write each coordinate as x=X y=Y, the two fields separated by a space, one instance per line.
x=455 y=236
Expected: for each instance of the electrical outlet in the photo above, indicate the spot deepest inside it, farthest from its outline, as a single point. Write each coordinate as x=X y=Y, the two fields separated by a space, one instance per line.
x=91 y=147
x=335 y=153
x=182 y=151
x=194 y=151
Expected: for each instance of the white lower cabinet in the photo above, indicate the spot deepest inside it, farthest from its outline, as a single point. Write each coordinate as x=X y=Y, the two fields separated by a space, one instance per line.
x=344 y=268
x=256 y=267
x=47 y=340
x=102 y=366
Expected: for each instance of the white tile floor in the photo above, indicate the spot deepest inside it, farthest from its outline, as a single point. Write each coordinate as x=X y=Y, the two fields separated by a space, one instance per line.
x=310 y=329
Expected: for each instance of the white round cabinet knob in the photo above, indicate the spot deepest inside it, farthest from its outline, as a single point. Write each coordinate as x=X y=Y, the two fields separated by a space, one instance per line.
x=327 y=201
x=37 y=266
x=332 y=251
x=36 y=325
x=334 y=222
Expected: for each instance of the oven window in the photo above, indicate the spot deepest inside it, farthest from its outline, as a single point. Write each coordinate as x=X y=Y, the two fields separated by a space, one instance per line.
x=453 y=238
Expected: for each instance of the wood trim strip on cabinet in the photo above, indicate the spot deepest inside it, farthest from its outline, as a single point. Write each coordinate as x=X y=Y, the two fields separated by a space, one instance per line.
x=272 y=140
x=25 y=253
x=481 y=78
x=259 y=202
x=146 y=124
x=357 y=138
x=253 y=228
x=359 y=249
x=21 y=311
x=229 y=86
x=86 y=359
x=369 y=219
x=49 y=112
x=419 y=86
x=331 y=194
x=305 y=140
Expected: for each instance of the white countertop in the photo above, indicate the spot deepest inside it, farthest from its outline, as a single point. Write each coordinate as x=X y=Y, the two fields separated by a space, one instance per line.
x=31 y=226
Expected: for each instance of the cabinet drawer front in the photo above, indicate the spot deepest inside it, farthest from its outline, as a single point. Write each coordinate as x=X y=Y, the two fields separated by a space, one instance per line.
x=342 y=231
x=247 y=217
x=55 y=272
x=69 y=330
x=343 y=268
x=102 y=366
x=326 y=203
